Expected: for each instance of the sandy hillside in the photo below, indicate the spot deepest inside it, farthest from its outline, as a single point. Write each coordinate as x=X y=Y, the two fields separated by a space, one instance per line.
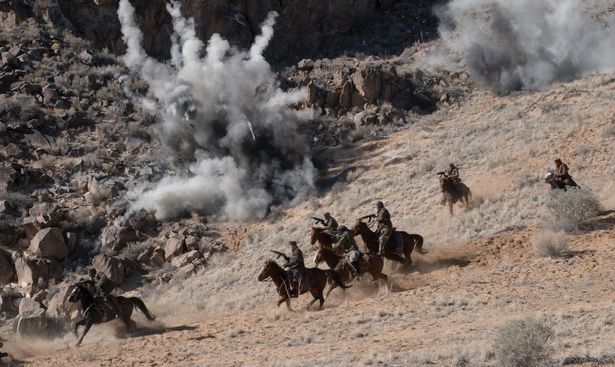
x=480 y=272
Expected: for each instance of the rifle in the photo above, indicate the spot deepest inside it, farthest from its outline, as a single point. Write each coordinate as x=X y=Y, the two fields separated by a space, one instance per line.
x=369 y=217
x=318 y=220
x=281 y=255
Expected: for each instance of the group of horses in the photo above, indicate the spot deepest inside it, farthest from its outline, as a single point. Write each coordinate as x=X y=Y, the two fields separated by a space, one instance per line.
x=339 y=274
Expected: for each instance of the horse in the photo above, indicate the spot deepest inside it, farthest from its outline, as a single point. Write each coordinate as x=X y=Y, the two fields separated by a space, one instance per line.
x=316 y=280
x=560 y=184
x=319 y=235
x=455 y=192
x=96 y=312
x=333 y=261
x=408 y=242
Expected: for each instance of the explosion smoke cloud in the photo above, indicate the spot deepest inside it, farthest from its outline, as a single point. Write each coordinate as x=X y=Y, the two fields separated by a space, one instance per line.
x=527 y=44
x=226 y=114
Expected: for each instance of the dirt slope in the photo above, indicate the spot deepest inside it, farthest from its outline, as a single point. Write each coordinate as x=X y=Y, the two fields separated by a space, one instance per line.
x=481 y=270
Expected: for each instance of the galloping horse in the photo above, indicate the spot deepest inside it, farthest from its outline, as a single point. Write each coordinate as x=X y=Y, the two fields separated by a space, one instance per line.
x=319 y=235
x=316 y=280
x=333 y=260
x=94 y=312
x=402 y=242
x=454 y=192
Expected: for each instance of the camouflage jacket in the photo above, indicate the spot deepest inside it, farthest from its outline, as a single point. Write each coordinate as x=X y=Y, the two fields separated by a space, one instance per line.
x=346 y=243
x=331 y=224
x=102 y=283
x=561 y=171
x=296 y=259
x=384 y=219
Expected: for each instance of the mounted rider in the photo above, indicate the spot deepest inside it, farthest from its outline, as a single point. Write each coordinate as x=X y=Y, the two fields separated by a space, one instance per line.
x=295 y=267
x=330 y=225
x=561 y=174
x=348 y=245
x=452 y=176
x=103 y=286
x=385 y=226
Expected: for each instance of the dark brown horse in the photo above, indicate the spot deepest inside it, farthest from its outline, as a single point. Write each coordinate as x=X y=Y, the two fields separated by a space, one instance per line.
x=319 y=235
x=334 y=261
x=455 y=192
x=95 y=311
x=408 y=241
x=315 y=282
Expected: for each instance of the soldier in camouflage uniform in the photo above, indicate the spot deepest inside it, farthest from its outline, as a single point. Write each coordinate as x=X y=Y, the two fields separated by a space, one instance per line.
x=103 y=287
x=561 y=174
x=385 y=226
x=296 y=268
x=452 y=176
x=351 y=251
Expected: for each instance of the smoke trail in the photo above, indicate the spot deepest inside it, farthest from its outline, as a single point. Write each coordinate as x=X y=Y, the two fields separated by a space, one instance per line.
x=527 y=44
x=225 y=113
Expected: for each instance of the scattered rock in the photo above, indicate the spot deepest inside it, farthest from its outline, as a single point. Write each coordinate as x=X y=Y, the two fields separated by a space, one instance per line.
x=186 y=258
x=33 y=274
x=7 y=270
x=117 y=237
x=157 y=258
x=113 y=267
x=175 y=245
x=368 y=83
x=49 y=242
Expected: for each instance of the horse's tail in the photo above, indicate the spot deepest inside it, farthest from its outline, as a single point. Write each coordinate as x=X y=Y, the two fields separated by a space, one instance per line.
x=418 y=243
x=141 y=306
x=337 y=281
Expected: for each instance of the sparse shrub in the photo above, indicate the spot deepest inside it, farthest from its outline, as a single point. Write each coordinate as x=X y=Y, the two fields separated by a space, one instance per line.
x=522 y=343
x=550 y=243
x=569 y=210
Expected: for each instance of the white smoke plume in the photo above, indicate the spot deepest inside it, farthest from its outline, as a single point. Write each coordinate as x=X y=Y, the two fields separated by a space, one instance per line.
x=527 y=44
x=223 y=111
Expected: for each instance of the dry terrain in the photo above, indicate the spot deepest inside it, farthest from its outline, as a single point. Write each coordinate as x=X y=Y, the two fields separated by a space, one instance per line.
x=481 y=270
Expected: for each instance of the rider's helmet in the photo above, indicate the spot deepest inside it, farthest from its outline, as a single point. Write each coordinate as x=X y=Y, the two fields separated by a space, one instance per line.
x=379 y=205
x=558 y=161
x=452 y=165
x=327 y=215
x=292 y=243
x=343 y=229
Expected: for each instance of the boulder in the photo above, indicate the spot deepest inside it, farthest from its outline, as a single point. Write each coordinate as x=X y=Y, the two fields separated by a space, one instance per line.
x=59 y=307
x=30 y=226
x=157 y=257
x=33 y=320
x=47 y=214
x=100 y=189
x=33 y=274
x=113 y=267
x=117 y=237
x=368 y=83
x=185 y=259
x=49 y=242
x=7 y=270
x=8 y=304
x=174 y=246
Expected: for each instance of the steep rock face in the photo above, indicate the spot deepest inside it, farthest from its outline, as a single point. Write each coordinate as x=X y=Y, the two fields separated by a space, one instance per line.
x=303 y=28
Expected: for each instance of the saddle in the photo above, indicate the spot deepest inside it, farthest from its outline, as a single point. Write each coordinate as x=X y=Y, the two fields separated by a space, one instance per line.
x=395 y=242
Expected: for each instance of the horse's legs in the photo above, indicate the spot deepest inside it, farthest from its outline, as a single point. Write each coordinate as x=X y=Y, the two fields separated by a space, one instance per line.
x=88 y=325
x=79 y=323
x=333 y=286
x=450 y=207
x=408 y=253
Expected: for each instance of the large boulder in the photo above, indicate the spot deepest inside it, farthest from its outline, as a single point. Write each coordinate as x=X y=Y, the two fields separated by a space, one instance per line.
x=34 y=321
x=114 y=268
x=117 y=237
x=49 y=242
x=175 y=245
x=368 y=83
x=7 y=270
x=34 y=274
x=59 y=307
x=185 y=259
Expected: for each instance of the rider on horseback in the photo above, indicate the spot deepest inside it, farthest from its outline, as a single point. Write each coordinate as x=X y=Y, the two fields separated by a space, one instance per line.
x=329 y=223
x=351 y=251
x=103 y=287
x=295 y=267
x=562 y=177
x=385 y=226
x=452 y=176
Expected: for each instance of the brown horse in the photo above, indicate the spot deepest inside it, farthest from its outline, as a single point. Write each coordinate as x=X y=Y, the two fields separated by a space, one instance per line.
x=408 y=242
x=319 y=235
x=334 y=261
x=455 y=192
x=316 y=280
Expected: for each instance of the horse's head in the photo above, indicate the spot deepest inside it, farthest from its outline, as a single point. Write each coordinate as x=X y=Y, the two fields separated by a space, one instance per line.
x=265 y=271
x=314 y=234
x=359 y=227
x=75 y=295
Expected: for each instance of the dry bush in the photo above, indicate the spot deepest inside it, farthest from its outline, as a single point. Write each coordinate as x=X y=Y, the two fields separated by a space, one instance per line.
x=523 y=343
x=550 y=243
x=570 y=210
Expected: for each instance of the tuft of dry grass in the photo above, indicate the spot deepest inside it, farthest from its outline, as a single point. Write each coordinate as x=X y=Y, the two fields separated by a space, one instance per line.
x=523 y=343
x=549 y=243
x=569 y=210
